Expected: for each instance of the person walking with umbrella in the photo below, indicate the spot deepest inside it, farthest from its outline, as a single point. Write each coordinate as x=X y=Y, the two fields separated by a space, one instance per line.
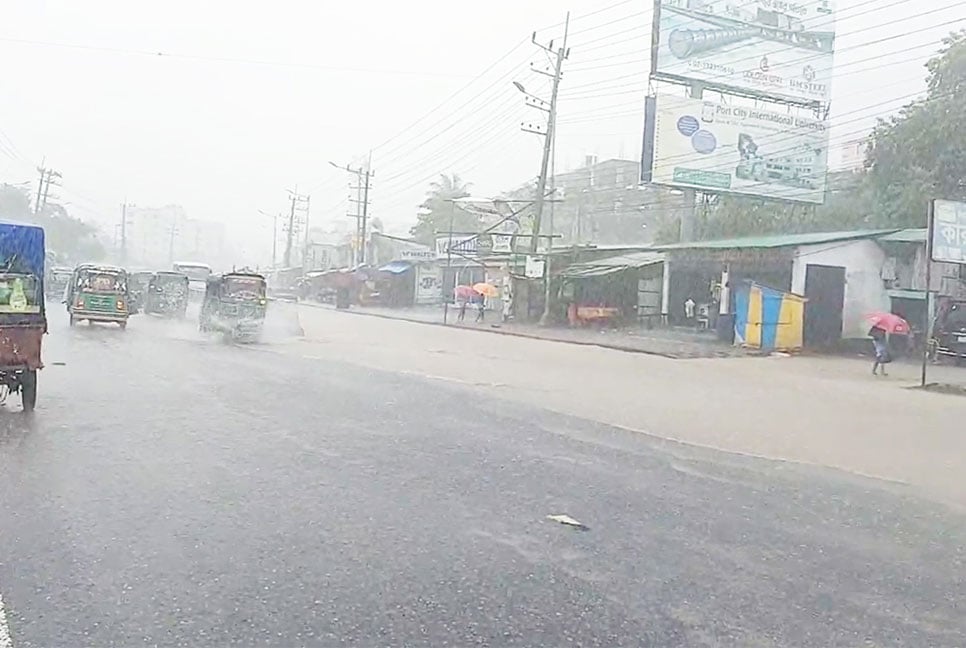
x=484 y=290
x=463 y=296
x=884 y=324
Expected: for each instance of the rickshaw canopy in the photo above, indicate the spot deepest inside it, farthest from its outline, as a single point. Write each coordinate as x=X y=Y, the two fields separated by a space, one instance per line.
x=22 y=248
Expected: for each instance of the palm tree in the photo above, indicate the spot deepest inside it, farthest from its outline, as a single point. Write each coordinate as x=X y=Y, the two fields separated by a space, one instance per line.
x=437 y=209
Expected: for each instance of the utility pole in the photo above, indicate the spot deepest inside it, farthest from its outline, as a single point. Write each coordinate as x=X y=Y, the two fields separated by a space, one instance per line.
x=124 y=232
x=275 y=219
x=305 y=240
x=295 y=199
x=561 y=54
x=549 y=137
x=51 y=174
x=173 y=232
x=43 y=186
x=364 y=176
x=40 y=185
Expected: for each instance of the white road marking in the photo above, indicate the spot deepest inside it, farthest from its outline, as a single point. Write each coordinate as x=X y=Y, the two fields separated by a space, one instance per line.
x=5 y=640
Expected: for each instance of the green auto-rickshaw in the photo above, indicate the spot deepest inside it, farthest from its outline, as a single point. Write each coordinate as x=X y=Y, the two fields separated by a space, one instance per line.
x=235 y=305
x=167 y=294
x=98 y=293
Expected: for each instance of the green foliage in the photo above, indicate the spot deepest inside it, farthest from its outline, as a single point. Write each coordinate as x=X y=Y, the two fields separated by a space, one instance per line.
x=437 y=210
x=69 y=238
x=920 y=153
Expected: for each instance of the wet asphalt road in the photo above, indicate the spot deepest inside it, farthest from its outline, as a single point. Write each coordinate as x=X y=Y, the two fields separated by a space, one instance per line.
x=175 y=491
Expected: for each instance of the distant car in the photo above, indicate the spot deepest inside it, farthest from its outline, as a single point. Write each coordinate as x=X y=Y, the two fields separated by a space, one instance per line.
x=284 y=294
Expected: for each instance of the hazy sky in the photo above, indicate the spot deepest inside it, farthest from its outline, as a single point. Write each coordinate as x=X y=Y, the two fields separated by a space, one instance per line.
x=246 y=102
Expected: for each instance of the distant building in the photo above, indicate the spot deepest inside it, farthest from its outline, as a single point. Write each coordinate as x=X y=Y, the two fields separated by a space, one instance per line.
x=604 y=203
x=853 y=154
x=156 y=236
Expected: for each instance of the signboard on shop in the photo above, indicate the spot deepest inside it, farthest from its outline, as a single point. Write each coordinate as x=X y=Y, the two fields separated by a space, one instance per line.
x=534 y=267
x=776 y=49
x=949 y=231
x=459 y=245
x=428 y=285
x=728 y=148
x=417 y=254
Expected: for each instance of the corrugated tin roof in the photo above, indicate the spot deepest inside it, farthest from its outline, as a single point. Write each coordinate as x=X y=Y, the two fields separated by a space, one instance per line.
x=610 y=265
x=778 y=240
x=913 y=235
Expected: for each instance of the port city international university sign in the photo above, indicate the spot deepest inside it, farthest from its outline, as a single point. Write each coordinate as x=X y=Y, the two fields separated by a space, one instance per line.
x=725 y=148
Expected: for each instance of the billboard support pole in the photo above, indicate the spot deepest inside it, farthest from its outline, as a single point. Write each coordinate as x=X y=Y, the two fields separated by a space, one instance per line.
x=688 y=214
x=927 y=325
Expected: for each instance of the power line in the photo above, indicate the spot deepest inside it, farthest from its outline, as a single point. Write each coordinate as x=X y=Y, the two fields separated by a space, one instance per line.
x=223 y=59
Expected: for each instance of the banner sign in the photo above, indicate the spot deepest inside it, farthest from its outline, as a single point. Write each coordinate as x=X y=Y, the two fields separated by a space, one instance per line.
x=722 y=148
x=779 y=49
x=949 y=231
x=417 y=254
x=459 y=245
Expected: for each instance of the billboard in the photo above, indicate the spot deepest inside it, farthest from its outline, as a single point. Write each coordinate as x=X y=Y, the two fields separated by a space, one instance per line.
x=949 y=231
x=721 y=148
x=778 y=49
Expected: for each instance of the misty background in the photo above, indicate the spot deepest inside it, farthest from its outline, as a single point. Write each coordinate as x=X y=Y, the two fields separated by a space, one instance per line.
x=219 y=107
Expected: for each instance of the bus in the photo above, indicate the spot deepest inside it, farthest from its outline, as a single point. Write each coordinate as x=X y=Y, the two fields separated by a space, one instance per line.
x=197 y=273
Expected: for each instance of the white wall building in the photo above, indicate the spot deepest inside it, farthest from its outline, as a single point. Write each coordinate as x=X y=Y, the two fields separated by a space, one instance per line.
x=862 y=262
x=156 y=236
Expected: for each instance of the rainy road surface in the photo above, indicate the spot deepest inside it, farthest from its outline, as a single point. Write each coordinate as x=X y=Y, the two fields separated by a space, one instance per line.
x=175 y=491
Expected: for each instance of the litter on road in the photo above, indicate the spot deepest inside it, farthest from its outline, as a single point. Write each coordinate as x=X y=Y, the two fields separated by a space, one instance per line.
x=569 y=521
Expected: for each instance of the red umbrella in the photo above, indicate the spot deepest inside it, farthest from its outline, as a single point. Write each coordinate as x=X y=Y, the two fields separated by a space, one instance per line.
x=889 y=322
x=465 y=292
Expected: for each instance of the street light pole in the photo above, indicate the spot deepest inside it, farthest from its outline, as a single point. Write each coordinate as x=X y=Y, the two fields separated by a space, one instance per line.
x=275 y=219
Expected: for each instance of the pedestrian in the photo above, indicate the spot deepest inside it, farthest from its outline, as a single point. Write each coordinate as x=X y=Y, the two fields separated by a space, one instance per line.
x=880 y=344
x=462 y=313
x=481 y=309
x=689 y=306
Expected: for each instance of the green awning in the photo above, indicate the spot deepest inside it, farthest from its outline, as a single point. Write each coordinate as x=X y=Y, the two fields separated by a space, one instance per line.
x=900 y=293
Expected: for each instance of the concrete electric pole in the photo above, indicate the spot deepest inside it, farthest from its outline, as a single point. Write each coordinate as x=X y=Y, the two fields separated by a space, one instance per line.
x=364 y=176
x=124 y=232
x=47 y=177
x=560 y=55
x=295 y=199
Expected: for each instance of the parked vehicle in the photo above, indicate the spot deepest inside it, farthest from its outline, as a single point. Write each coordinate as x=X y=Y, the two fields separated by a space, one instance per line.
x=949 y=330
x=23 y=319
x=235 y=305
x=167 y=294
x=56 y=281
x=284 y=284
x=137 y=289
x=98 y=293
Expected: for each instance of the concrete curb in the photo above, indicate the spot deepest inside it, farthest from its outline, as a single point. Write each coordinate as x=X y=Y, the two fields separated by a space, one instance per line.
x=520 y=334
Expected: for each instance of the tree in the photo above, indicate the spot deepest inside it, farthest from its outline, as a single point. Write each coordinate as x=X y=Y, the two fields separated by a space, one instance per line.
x=436 y=211
x=920 y=153
x=66 y=236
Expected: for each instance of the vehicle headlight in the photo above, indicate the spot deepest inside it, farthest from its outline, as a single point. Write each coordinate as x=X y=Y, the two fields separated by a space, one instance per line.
x=120 y=304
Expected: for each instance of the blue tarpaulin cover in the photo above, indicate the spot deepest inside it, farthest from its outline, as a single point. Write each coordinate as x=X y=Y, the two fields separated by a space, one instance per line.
x=22 y=248
x=396 y=267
